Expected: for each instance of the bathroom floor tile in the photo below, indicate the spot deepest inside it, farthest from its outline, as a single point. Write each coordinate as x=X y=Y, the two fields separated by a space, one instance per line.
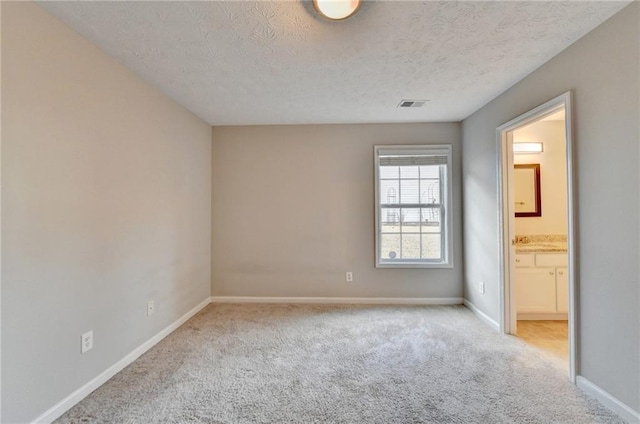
x=550 y=337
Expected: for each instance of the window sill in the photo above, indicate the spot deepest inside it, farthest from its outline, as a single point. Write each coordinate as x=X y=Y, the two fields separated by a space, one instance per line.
x=413 y=265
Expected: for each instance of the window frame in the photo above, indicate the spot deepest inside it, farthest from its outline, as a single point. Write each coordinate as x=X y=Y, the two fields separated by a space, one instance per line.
x=446 y=202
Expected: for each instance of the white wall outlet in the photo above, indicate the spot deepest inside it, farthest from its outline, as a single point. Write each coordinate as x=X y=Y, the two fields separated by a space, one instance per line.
x=87 y=341
x=481 y=287
x=349 y=276
x=150 y=308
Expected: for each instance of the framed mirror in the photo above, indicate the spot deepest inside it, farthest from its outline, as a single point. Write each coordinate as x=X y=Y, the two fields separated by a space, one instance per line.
x=526 y=178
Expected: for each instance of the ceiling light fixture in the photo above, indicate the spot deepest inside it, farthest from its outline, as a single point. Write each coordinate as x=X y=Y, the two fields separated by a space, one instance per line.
x=337 y=9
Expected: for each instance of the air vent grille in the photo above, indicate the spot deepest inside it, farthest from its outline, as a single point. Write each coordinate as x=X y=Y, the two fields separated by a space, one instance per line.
x=412 y=103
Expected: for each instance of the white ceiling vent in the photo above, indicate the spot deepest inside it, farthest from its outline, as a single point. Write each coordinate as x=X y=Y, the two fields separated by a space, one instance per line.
x=412 y=103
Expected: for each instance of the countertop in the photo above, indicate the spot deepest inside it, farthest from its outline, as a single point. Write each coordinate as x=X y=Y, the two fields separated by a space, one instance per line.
x=542 y=247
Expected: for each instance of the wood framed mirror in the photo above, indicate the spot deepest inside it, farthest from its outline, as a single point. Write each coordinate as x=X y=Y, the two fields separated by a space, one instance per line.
x=528 y=202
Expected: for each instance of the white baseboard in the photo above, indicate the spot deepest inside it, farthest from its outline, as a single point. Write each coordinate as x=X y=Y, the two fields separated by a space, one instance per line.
x=484 y=317
x=624 y=411
x=342 y=300
x=67 y=403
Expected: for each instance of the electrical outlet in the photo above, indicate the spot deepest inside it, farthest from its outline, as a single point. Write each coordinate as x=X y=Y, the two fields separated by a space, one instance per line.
x=150 y=308
x=87 y=341
x=349 y=277
x=481 y=287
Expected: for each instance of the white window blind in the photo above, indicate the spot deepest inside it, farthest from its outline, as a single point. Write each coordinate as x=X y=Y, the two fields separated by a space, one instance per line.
x=412 y=160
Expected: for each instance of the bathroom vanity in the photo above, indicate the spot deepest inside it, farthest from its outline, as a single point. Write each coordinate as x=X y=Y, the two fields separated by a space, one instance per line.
x=542 y=281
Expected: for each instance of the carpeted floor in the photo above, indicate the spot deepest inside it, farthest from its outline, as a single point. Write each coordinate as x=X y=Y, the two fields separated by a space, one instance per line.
x=338 y=364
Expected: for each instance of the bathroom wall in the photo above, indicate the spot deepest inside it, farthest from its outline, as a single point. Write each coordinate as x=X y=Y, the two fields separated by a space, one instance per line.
x=553 y=181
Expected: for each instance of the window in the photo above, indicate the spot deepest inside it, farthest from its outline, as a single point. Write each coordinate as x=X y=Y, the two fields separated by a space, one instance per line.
x=413 y=213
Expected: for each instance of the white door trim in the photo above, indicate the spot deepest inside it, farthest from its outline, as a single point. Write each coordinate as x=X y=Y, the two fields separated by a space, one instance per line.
x=505 y=221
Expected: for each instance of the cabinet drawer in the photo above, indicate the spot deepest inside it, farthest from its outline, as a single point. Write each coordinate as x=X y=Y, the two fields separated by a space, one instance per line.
x=524 y=260
x=551 y=259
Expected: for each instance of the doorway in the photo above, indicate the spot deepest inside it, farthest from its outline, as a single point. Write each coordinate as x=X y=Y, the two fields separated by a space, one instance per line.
x=537 y=230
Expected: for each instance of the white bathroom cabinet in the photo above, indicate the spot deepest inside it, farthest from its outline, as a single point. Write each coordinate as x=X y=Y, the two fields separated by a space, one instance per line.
x=562 y=290
x=542 y=285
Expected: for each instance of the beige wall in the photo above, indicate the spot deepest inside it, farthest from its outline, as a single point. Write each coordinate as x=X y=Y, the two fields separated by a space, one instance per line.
x=293 y=210
x=553 y=180
x=602 y=70
x=105 y=204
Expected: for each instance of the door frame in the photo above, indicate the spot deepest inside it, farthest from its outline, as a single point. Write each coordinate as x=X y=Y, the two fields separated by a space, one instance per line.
x=506 y=222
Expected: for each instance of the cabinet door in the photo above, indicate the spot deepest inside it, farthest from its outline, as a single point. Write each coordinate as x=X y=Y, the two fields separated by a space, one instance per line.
x=536 y=289
x=562 y=289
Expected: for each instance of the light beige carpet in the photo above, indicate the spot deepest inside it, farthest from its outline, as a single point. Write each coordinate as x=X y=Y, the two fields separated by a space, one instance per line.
x=338 y=364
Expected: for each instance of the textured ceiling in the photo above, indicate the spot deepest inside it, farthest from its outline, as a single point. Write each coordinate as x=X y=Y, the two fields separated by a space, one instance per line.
x=240 y=63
